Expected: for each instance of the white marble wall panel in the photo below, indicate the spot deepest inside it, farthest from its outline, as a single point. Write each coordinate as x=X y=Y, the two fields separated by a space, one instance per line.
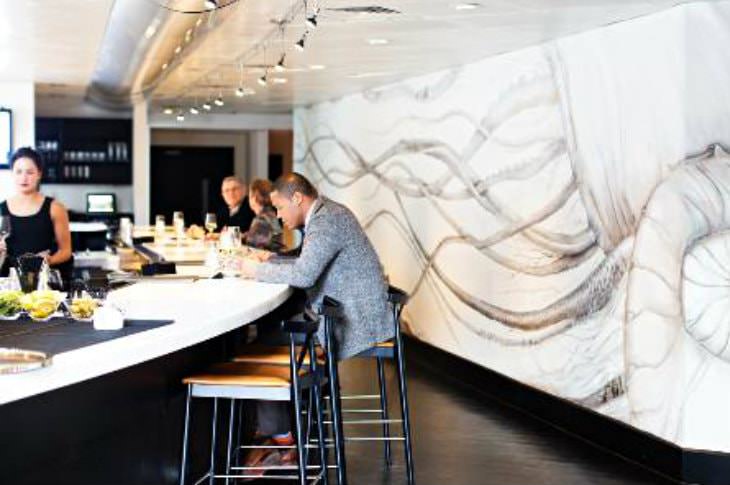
x=522 y=201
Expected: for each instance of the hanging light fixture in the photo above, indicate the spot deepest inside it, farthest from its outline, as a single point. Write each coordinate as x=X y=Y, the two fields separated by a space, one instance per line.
x=240 y=92
x=180 y=116
x=262 y=80
x=311 y=21
x=219 y=101
x=300 y=43
x=194 y=110
x=280 y=67
x=207 y=106
x=168 y=111
x=210 y=4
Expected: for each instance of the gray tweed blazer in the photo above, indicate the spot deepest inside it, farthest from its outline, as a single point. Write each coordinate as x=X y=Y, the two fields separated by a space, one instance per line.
x=338 y=260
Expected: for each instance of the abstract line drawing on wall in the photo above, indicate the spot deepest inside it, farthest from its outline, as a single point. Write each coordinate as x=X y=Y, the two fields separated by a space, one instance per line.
x=517 y=255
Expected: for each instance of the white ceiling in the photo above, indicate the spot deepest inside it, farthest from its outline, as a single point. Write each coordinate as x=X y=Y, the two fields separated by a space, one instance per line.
x=57 y=42
x=51 y=41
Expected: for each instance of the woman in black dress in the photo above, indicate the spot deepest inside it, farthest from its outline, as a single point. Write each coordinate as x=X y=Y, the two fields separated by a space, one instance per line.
x=38 y=224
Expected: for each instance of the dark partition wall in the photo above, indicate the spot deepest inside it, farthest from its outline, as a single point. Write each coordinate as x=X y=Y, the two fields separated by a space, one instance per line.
x=188 y=179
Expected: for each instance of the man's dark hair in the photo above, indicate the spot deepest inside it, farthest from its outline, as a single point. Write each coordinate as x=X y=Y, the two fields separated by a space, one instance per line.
x=29 y=153
x=289 y=183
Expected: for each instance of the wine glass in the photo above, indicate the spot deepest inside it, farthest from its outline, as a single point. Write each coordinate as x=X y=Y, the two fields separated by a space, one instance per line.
x=178 y=222
x=211 y=223
x=4 y=227
x=159 y=228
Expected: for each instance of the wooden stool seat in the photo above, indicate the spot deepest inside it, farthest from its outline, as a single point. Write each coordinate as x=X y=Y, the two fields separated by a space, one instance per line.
x=274 y=355
x=243 y=374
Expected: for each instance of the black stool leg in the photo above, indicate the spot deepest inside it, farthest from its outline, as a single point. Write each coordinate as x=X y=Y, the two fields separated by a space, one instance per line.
x=186 y=430
x=299 y=433
x=403 y=388
x=211 y=479
x=336 y=411
x=231 y=419
x=320 y=433
x=384 y=410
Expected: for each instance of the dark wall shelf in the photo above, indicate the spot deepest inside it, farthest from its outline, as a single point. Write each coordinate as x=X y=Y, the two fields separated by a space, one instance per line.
x=85 y=150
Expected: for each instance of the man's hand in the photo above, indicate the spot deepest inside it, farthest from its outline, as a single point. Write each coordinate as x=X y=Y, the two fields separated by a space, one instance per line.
x=248 y=268
x=259 y=255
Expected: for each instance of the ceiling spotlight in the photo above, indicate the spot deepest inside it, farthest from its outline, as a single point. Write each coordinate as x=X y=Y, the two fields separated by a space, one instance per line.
x=167 y=111
x=194 y=110
x=219 y=101
x=467 y=6
x=164 y=66
x=210 y=4
x=300 y=44
x=178 y=49
x=180 y=116
x=241 y=92
x=207 y=106
x=262 y=80
x=311 y=21
x=377 y=41
x=279 y=67
x=316 y=67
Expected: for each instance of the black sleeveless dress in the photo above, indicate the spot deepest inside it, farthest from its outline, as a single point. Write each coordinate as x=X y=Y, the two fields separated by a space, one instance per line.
x=33 y=234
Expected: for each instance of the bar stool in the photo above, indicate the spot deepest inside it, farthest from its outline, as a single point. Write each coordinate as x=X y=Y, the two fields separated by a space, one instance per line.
x=237 y=381
x=330 y=311
x=392 y=349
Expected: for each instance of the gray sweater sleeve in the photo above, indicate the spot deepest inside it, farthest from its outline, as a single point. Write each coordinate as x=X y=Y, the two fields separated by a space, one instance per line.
x=320 y=247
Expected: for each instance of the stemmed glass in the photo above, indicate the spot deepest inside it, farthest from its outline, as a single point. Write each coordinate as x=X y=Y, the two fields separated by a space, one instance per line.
x=159 y=229
x=178 y=222
x=211 y=223
x=4 y=234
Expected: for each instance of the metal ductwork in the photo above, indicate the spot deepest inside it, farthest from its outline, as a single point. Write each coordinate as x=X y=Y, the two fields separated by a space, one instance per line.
x=141 y=36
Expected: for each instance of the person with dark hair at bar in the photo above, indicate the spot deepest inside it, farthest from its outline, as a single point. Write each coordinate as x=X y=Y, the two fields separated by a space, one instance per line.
x=265 y=231
x=336 y=260
x=39 y=224
x=237 y=211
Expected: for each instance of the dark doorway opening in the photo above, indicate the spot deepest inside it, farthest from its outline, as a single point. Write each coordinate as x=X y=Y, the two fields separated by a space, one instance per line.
x=188 y=179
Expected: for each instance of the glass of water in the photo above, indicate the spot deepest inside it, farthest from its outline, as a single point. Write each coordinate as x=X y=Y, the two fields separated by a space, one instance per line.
x=178 y=222
x=159 y=228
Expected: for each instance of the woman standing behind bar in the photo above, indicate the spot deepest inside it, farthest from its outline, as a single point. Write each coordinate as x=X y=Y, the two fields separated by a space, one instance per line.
x=38 y=224
x=265 y=231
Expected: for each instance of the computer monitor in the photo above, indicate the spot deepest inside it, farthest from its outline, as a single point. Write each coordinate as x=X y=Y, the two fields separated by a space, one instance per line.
x=101 y=204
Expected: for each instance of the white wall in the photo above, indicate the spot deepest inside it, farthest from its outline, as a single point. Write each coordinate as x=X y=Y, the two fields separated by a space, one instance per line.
x=73 y=196
x=539 y=206
x=19 y=97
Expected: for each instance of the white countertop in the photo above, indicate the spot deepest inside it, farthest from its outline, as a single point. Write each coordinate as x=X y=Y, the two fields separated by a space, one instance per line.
x=202 y=310
x=186 y=252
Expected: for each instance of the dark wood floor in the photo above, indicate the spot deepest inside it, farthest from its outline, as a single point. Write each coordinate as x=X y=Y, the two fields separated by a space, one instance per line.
x=463 y=438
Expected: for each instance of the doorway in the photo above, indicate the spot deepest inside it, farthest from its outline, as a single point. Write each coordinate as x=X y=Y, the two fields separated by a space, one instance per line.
x=188 y=179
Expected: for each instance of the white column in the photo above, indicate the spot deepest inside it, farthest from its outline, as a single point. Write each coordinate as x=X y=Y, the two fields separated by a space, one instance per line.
x=141 y=163
x=258 y=154
x=20 y=98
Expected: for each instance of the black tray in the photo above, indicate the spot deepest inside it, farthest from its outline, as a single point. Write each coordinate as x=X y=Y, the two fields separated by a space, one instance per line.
x=63 y=334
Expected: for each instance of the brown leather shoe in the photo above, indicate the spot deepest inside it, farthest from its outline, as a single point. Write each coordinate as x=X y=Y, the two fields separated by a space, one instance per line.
x=261 y=457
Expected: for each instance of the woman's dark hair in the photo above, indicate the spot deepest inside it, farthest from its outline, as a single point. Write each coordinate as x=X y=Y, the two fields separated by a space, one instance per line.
x=27 y=152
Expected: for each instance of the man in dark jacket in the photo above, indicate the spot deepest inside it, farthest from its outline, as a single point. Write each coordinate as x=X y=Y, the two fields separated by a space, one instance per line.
x=237 y=211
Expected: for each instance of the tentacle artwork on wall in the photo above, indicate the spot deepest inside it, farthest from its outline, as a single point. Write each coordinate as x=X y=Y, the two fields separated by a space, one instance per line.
x=465 y=183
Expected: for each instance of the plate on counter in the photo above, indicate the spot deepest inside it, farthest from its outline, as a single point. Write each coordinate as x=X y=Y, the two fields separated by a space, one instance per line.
x=14 y=361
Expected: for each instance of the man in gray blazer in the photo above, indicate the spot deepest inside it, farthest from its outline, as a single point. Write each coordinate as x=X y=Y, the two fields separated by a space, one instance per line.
x=336 y=260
